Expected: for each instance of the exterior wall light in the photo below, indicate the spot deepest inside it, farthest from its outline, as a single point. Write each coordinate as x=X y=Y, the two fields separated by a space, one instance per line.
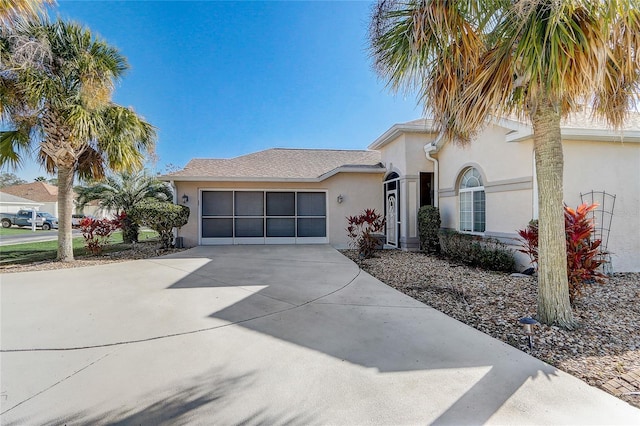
x=185 y=199
x=340 y=199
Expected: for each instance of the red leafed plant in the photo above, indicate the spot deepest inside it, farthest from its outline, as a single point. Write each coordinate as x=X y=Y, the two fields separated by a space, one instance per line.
x=361 y=229
x=96 y=232
x=583 y=257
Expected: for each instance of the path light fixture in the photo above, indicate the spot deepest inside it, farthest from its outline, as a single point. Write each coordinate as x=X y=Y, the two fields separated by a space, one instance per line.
x=185 y=199
x=340 y=199
x=527 y=325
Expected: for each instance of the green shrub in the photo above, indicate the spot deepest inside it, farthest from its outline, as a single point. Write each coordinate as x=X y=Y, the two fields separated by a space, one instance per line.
x=161 y=216
x=473 y=250
x=429 y=228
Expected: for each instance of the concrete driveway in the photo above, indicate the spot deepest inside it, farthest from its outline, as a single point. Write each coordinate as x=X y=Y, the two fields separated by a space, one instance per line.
x=262 y=335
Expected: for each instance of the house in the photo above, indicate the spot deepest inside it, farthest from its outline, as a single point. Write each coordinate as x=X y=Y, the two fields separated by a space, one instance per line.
x=11 y=204
x=39 y=192
x=487 y=188
x=46 y=196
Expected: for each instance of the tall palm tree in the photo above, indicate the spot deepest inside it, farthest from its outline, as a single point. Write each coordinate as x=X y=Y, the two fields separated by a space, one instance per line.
x=15 y=10
x=123 y=191
x=56 y=81
x=540 y=60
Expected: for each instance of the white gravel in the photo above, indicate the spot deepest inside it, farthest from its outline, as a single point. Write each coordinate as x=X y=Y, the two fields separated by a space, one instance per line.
x=605 y=345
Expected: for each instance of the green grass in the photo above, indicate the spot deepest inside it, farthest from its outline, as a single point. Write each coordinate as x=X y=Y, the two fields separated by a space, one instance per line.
x=4 y=232
x=47 y=250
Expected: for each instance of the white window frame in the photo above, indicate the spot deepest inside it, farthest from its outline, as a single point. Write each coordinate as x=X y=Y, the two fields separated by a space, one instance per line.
x=471 y=190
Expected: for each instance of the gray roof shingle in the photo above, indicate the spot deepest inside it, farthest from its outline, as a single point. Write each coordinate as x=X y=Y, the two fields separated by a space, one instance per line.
x=281 y=164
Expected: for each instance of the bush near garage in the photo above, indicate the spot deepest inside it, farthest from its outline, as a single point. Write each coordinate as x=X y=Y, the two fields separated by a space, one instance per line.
x=162 y=217
x=362 y=228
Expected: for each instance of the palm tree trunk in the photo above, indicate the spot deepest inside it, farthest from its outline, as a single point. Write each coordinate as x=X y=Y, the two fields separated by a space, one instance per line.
x=65 y=210
x=553 y=286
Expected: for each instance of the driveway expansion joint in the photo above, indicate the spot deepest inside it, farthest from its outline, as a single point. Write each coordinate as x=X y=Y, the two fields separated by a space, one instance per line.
x=184 y=333
x=57 y=383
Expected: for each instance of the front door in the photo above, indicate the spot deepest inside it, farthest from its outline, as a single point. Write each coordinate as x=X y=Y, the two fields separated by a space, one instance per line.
x=392 y=218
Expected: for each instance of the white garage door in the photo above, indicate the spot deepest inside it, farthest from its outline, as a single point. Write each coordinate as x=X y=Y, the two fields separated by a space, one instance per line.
x=263 y=217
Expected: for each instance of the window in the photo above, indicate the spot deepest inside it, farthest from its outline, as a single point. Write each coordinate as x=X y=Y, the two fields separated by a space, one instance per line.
x=472 y=202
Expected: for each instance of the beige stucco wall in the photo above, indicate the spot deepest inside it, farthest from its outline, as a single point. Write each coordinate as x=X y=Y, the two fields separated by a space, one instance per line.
x=507 y=169
x=613 y=167
x=359 y=191
x=405 y=154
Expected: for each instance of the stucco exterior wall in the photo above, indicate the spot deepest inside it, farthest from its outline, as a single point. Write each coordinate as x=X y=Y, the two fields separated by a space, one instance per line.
x=613 y=167
x=406 y=154
x=359 y=191
x=507 y=173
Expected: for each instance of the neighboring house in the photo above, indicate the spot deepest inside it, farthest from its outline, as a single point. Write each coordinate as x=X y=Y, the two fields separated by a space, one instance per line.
x=11 y=204
x=487 y=188
x=40 y=192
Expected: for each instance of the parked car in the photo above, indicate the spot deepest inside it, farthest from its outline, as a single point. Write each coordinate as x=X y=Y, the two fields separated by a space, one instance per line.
x=44 y=220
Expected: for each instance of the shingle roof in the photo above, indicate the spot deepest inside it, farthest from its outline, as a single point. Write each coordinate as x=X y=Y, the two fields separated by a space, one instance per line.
x=36 y=191
x=9 y=198
x=281 y=164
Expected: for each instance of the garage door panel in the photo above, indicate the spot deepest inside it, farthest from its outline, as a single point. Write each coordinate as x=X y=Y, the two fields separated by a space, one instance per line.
x=315 y=227
x=311 y=204
x=249 y=228
x=249 y=203
x=217 y=228
x=217 y=203
x=281 y=203
x=281 y=227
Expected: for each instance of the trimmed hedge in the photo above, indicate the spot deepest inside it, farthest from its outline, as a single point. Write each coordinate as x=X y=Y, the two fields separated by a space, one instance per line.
x=429 y=229
x=162 y=217
x=485 y=253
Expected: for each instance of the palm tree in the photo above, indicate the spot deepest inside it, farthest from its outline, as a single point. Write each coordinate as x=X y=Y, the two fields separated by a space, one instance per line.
x=56 y=81
x=15 y=10
x=123 y=191
x=540 y=60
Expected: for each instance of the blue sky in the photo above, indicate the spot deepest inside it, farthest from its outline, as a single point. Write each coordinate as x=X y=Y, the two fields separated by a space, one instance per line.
x=222 y=79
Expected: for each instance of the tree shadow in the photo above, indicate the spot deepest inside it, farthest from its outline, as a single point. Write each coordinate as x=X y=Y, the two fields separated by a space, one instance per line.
x=335 y=309
x=197 y=398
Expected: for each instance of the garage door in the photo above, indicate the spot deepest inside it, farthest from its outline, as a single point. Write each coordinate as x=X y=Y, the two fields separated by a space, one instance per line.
x=263 y=217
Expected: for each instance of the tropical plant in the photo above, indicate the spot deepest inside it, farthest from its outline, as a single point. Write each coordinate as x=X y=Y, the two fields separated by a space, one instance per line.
x=162 y=217
x=96 y=233
x=56 y=81
x=362 y=228
x=121 y=192
x=583 y=255
x=538 y=60
x=428 y=229
x=12 y=11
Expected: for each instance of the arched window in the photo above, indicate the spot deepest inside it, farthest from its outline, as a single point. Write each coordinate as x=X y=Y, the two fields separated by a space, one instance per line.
x=472 y=202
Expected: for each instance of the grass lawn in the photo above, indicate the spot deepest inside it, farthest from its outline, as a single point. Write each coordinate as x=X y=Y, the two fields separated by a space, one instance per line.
x=4 y=232
x=47 y=250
